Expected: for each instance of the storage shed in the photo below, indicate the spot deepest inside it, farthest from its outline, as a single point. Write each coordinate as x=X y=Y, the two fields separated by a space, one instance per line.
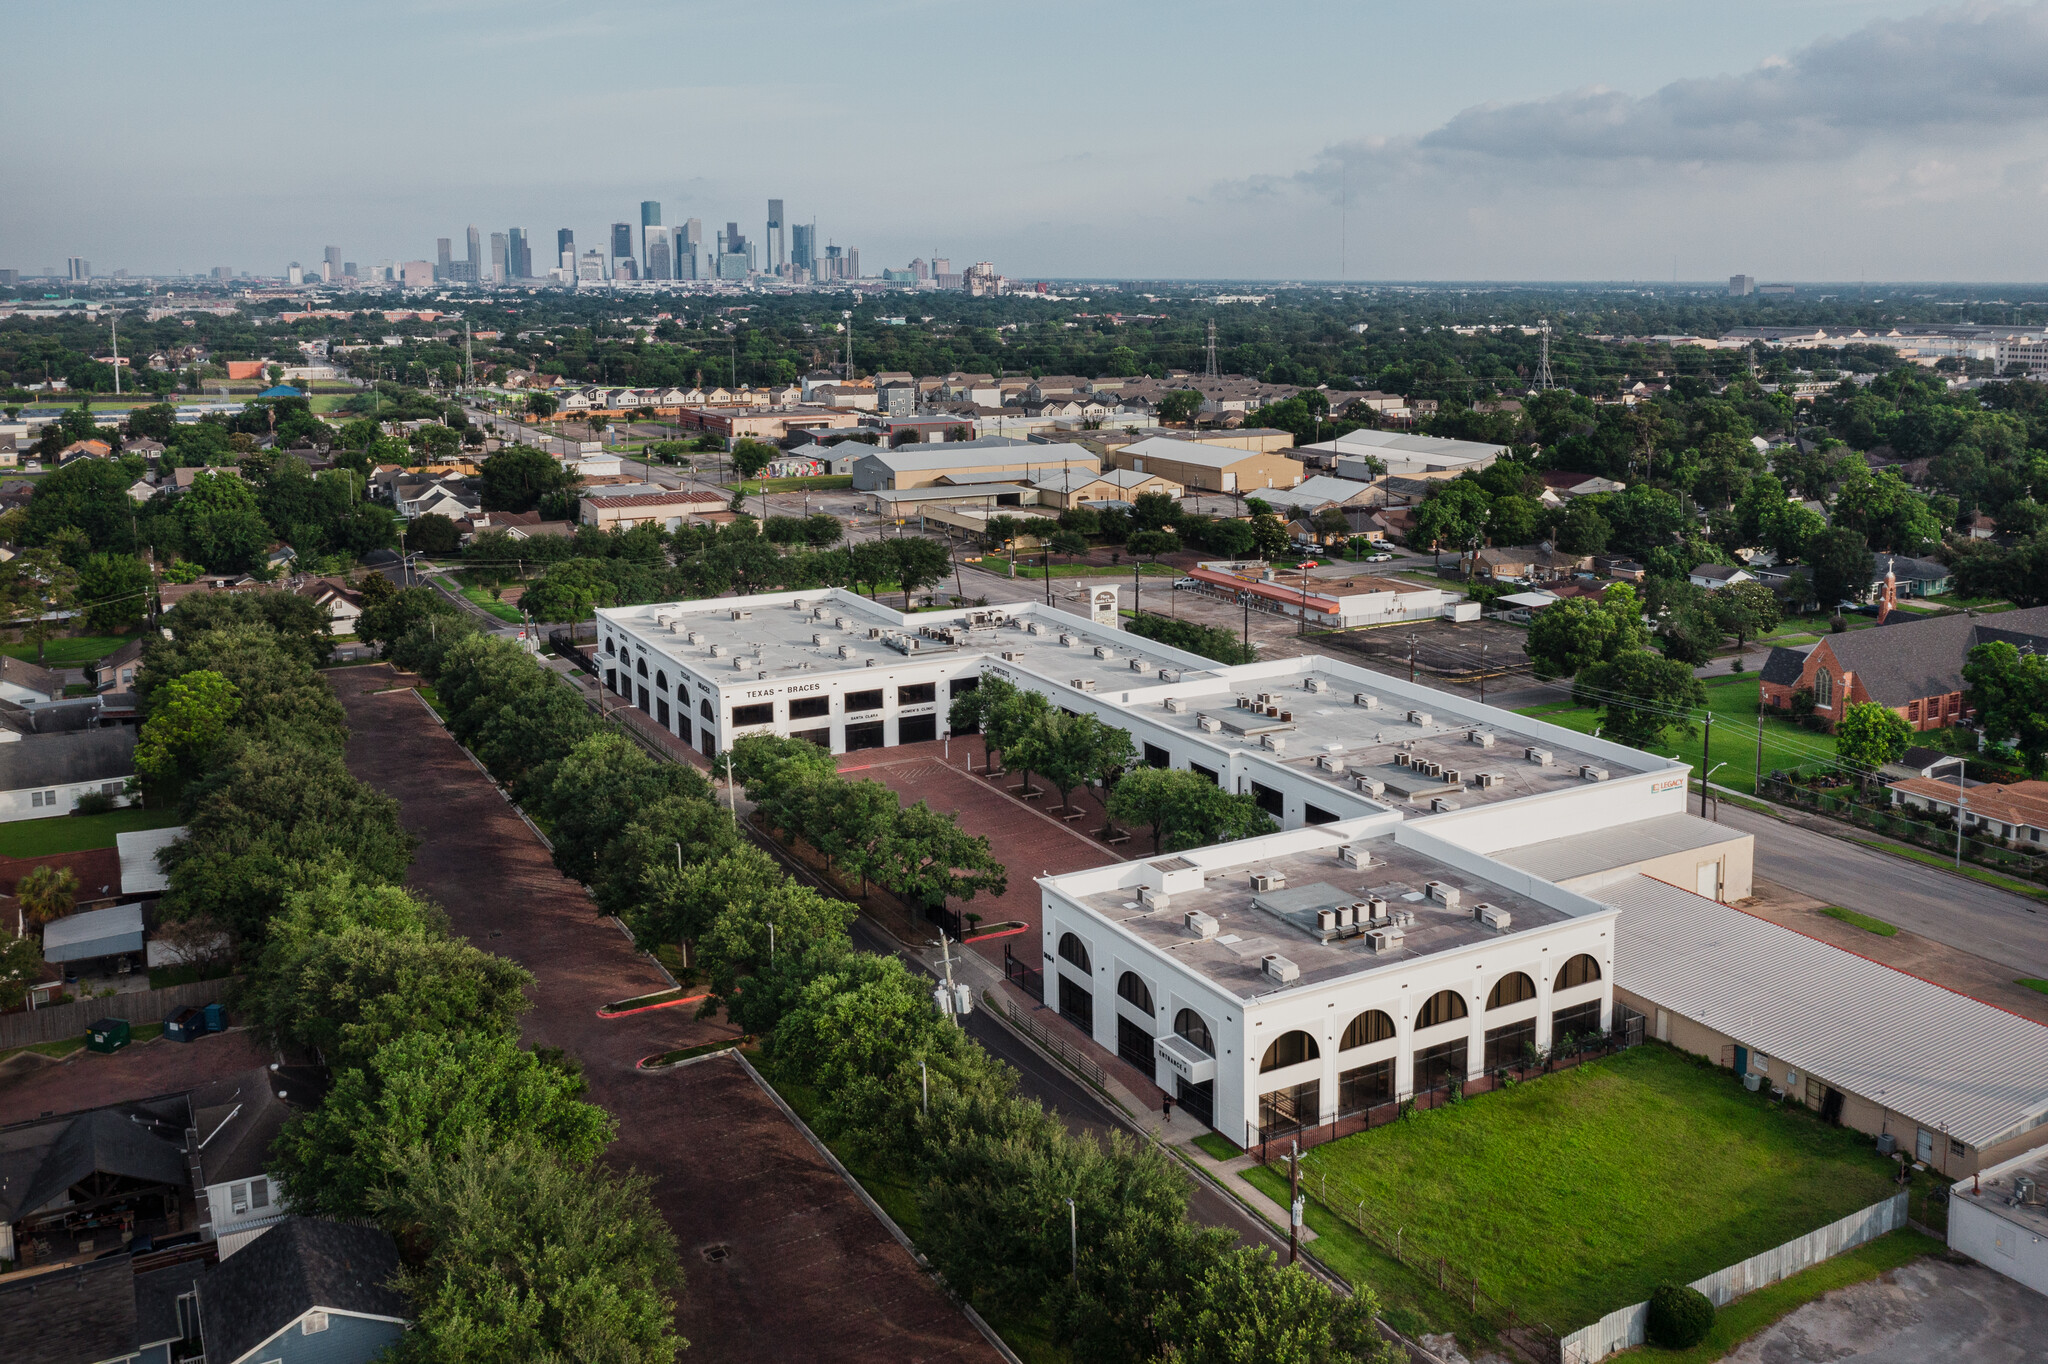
x=95 y=933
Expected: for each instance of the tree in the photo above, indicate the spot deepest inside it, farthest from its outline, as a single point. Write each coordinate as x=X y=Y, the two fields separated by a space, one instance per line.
x=1153 y=543
x=1679 y=1318
x=219 y=523
x=37 y=585
x=541 y=405
x=919 y=563
x=750 y=457
x=529 y=1255
x=1641 y=696
x=435 y=1093
x=2009 y=693
x=1513 y=520
x=1248 y=1306
x=1178 y=407
x=1454 y=513
x=1841 y=565
x=389 y=615
x=188 y=717
x=47 y=892
x=1582 y=529
x=636 y=864
x=571 y=590
x=518 y=478
x=90 y=495
x=925 y=857
x=1082 y=521
x=1331 y=524
x=592 y=792
x=1184 y=809
x=1579 y=631
x=753 y=927
x=1068 y=545
x=432 y=534
x=1010 y=715
x=21 y=965
x=1746 y=610
x=1870 y=735
x=114 y=590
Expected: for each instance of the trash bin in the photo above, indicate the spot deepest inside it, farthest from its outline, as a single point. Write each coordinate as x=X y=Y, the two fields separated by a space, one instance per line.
x=107 y=1035
x=186 y=1025
x=216 y=1018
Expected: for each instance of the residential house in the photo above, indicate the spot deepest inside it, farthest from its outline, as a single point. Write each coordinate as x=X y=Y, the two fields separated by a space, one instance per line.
x=84 y=449
x=1914 y=577
x=1714 y=577
x=115 y=671
x=181 y=479
x=304 y=1292
x=1527 y=563
x=2017 y=811
x=43 y=775
x=144 y=446
x=1913 y=666
x=237 y=1119
x=22 y=682
x=1622 y=570
x=1981 y=526
x=344 y=606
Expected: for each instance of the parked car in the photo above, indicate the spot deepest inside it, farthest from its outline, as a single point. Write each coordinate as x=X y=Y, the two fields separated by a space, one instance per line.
x=1179 y=583
x=1380 y=558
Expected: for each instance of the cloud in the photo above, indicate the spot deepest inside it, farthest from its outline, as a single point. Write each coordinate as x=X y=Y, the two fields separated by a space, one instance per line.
x=1977 y=72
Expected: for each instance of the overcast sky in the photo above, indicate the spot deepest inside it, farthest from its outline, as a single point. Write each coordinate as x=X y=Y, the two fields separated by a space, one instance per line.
x=1462 y=139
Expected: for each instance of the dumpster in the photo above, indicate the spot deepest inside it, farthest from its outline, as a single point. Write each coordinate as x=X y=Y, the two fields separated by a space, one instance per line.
x=216 y=1018
x=109 y=1034
x=186 y=1025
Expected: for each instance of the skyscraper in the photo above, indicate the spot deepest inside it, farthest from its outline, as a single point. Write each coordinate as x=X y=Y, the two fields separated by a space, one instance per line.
x=622 y=243
x=775 y=239
x=804 y=250
x=522 y=254
x=333 y=257
x=689 y=241
x=650 y=216
x=500 y=264
x=565 y=245
x=660 y=262
x=77 y=269
x=443 y=257
x=476 y=256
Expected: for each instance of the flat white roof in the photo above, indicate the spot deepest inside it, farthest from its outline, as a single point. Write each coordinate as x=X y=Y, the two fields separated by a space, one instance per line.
x=1434 y=447
x=1618 y=845
x=1196 y=452
x=1939 y=1058
x=140 y=874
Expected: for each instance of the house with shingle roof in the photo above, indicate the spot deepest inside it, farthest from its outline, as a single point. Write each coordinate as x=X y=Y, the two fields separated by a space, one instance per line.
x=1914 y=667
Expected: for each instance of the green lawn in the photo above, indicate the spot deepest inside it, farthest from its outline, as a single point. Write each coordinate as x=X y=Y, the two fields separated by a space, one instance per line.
x=1752 y=1312
x=68 y=652
x=480 y=596
x=1579 y=1192
x=2032 y=984
x=1218 y=1146
x=1969 y=869
x=1030 y=565
x=1733 y=701
x=1862 y=921
x=77 y=833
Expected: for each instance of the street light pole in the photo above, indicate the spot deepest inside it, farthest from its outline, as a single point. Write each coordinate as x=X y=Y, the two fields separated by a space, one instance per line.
x=1706 y=750
x=1073 y=1243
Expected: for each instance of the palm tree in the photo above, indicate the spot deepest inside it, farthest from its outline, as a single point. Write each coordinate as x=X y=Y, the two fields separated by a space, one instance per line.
x=48 y=892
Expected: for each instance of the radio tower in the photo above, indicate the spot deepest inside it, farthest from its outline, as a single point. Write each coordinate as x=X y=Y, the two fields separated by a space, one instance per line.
x=1543 y=380
x=1210 y=372
x=468 y=373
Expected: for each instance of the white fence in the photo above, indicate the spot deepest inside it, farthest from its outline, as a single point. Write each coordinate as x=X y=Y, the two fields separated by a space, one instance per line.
x=1622 y=1328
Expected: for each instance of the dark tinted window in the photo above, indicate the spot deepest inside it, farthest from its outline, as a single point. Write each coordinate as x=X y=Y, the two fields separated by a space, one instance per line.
x=754 y=715
x=1374 y=1025
x=1290 y=1049
x=864 y=700
x=809 y=707
x=917 y=695
x=1155 y=756
x=1443 y=1007
x=1269 y=800
x=1580 y=970
x=1512 y=988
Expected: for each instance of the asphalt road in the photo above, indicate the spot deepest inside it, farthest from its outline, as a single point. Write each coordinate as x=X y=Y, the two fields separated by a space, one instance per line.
x=1991 y=923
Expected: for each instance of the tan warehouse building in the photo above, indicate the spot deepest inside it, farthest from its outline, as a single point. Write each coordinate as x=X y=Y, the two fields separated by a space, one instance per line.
x=1210 y=468
x=966 y=461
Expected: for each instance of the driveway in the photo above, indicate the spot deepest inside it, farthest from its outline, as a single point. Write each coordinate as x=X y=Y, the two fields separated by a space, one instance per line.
x=1932 y=1309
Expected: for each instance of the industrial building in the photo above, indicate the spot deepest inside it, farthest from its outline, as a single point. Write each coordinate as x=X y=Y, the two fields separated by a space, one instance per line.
x=922 y=465
x=1202 y=467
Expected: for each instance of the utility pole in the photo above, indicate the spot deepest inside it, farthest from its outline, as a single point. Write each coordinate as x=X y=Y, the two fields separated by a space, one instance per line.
x=114 y=324
x=1210 y=371
x=468 y=369
x=1294 y=1199
x=1073 y=1243
x=1411 y=658
x=1756 y=781
x=1482 y=674
x=1706 y=749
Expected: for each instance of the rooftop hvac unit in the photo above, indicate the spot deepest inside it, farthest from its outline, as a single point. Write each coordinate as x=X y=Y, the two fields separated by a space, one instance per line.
x=1287 y=717
x=1153 y=899
x=1313 y=684
x=1488 y=780
x=1376 y=906
x=1592 y=773
x=1481 y=737
x=874 y=632
x=1431 y=769
x=678 y=628
x=1139 y=665
x=1084 y=684
x=1365 y=700
x=1384 y=939
x=1372 y=786
x=1347 y=915
x=846 y=651
x=868 y=663
x=742 y=615
x=1034 y=628
x=817 y=639
x=1404 y=760
x=664 y=617
x=741 y=663
x=1454 y=776
x=1493 y=916
x=799 y=607
x=1269 y=880
x=1265 y=697
x=1419 y=717
x=718 y=651
x=1444 y=893
x=1198 y=924
x=1168 y=675
x=1176 y=704
x=1442 y=805
x=1276 y=742
x=841 y=623
x=1540 y=756
x=1279 y=968
x=1104 y=651
x=696 y=638
x=1326 y=921
x=820 y=614
x=1330 y=762
x=1011 y=656
x=1355 y=856
x=1066 y=640
x=1209 y=724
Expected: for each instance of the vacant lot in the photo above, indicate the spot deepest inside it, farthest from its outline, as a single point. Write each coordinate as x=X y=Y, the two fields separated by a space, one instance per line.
x=1580 y=1192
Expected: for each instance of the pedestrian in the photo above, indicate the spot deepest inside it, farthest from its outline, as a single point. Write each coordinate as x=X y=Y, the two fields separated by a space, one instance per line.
x=1167 y=1105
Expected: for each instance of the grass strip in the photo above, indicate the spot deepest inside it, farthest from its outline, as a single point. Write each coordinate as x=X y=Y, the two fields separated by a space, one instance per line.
x=428 y=695
x=669 y=1058
x=2031 y=984
x=78 y=833
x=1989 y=878
x=1754 y=1312
x=1862 y=921
x=477 y=596
x=67 y=653
x=1218 y=1146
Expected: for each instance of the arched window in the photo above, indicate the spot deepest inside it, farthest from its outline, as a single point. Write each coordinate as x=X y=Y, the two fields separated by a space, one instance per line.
x=1189 y=1025
x=1511 y=988
x=1135 y=990
x=1290 y=1049
x=1580 y=970
x=1074 y=950
x=661 y=681
x=642 y=667
x=1443 y=1007
x=704 y=709
x=1374 y=1025
x=1823 y=688
x=608 y=645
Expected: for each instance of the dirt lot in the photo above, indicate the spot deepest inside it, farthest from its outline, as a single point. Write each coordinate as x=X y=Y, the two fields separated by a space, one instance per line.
x=805 y=1269
x=1445 y=652
x=33 y=1087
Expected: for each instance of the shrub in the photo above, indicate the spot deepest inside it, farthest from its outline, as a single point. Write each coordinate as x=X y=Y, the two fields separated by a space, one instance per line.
x=93 y=803
x=1680 y=1317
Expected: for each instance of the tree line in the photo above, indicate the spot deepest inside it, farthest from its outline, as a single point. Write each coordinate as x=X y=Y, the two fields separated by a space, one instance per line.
x=478 y=1155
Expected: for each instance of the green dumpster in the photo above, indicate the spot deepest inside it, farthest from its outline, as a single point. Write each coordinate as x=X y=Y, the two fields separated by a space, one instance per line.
x=109 y=1034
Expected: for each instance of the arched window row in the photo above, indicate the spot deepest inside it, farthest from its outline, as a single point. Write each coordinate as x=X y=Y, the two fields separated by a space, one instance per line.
x=1445 y=1006
x=1580 y=970
x=1290 y=1049
x=1374 y=1025
x=1512 y=988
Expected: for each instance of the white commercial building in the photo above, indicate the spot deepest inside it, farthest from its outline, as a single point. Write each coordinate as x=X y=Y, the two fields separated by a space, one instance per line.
x=1404 y=455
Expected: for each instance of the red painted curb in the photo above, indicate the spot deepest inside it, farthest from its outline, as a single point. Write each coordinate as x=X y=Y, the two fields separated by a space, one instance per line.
x=644 y=1008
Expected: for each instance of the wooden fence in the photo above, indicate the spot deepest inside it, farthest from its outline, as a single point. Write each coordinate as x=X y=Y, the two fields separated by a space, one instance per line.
x=56 y=1022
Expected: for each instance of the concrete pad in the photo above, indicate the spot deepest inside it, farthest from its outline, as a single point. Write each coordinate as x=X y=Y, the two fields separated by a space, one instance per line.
x=1933 y=1309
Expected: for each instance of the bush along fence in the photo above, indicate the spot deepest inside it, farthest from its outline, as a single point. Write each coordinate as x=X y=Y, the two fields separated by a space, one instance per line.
x=1873 y=811
x=1624 y=1327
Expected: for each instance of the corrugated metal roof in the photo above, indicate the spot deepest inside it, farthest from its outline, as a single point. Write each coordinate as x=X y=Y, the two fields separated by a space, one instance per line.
x=95 y=933
x=1620 y=845
x=140 y=875
x=1939 y=1058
